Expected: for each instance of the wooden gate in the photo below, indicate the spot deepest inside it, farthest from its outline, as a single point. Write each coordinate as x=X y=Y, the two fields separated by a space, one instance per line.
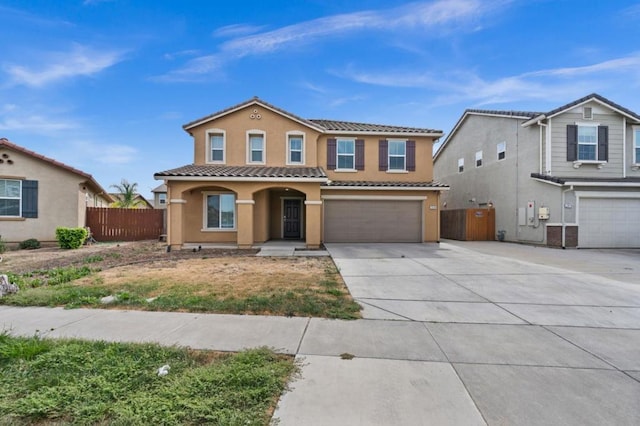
x=110 y=224
x=468 y=224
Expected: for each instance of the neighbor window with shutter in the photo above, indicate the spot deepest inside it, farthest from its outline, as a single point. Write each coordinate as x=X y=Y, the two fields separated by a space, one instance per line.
x=346 y=152
x=587 y=142
x=397 y=155
x=10 y=198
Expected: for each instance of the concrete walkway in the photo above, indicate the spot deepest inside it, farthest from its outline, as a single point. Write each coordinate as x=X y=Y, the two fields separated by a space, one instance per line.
x=453 y=335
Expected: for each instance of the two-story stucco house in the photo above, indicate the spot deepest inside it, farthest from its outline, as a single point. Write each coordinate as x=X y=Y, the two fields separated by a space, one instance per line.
x=568 y=178
x=262 y=173
x=38 y=194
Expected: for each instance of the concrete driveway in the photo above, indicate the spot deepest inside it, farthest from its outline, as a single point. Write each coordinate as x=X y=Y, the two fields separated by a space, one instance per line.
x=475 y=333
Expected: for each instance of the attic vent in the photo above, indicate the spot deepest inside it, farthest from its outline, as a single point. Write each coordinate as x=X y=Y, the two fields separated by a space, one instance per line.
x=587 y=113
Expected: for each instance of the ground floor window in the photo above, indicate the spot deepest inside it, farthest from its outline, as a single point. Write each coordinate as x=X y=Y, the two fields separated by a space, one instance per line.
x=10 y=197
x=220 y=212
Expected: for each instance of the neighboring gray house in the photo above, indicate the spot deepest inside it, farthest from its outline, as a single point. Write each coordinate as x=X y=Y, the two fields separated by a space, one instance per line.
x=567 y=178
x=160 y=196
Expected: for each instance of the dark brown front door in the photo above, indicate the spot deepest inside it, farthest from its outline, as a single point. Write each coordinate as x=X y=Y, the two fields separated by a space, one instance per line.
x=292 y=213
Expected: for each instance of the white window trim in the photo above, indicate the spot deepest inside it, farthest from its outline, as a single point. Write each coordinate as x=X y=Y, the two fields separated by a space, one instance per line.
x=290 y=134
x=209 y=158
x=19 y=198
x=460 y=163
x=389 y=169
x=352 y=169
x=498 y=151
x=636 y=145
x=205 y=194
x=479 y=157
x=579 y=162
x=264 y=146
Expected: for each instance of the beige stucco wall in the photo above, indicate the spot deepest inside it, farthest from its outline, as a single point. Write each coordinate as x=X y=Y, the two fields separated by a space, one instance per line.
x=62 y=197
x=424 y=161
x=236 y=126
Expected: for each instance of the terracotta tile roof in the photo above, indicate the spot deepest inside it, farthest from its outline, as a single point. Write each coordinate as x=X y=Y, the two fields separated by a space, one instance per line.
x=321 y=125
x=252 y=101
x=99 y=189
x=348 y=126
x=217 y=171
x=387 y=184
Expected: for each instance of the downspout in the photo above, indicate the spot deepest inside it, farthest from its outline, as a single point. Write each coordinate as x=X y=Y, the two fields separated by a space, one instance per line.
x=564 y=232
x=624 y=147
x=542 y=125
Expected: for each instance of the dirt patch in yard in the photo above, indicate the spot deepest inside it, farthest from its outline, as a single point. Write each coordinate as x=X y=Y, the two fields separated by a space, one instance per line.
x=105 y=256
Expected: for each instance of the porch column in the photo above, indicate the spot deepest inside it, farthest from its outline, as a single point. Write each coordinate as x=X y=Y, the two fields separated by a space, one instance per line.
x=174 y=220
x=245 y=223
x=313 y=222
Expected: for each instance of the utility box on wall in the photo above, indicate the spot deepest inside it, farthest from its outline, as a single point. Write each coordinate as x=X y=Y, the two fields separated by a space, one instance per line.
x=543 y=213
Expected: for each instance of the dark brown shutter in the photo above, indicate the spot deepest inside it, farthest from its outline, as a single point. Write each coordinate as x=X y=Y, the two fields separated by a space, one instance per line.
x=603 y=143
x=30 y=198
x=411 y=156
x=359 y=154
x=572 y=142
x=383 y=150
x=331 y=154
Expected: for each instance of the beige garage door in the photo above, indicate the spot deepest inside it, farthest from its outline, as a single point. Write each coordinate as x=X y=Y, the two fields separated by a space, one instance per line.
x=372 y=221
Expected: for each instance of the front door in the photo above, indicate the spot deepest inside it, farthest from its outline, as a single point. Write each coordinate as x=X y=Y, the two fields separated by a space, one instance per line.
x=291 y=221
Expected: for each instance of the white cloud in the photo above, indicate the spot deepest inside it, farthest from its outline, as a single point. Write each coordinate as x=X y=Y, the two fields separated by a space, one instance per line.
x=433 y=17
x=84 y=151
x=33 y=123
x=79 y=61
x=467 y=86
x=236 y=30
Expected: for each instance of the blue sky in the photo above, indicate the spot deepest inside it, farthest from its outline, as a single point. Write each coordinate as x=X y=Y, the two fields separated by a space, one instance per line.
x=106 y=85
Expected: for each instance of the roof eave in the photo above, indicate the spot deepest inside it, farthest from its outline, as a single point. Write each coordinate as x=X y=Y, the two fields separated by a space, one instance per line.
x=377 y=133
x=239 y=179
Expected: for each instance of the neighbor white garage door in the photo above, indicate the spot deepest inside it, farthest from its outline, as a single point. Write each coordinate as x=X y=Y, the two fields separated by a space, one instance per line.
x=372 y=221
x=609 y=222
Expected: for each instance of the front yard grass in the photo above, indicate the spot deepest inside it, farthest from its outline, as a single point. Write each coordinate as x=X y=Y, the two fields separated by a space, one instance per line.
x=296 y=286
x=76 y=382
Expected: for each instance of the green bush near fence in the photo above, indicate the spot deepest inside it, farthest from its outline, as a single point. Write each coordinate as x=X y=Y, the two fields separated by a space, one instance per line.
x=71 y=238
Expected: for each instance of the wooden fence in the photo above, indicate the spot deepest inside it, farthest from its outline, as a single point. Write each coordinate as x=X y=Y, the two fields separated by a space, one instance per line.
x=468 y=224
x=109 y=224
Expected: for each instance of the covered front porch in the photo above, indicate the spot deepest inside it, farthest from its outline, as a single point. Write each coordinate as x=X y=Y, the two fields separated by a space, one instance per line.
x=243 y=214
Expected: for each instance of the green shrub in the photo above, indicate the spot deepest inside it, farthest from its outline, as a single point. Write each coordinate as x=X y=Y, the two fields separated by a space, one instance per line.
x=71 y=238
x=29 y=244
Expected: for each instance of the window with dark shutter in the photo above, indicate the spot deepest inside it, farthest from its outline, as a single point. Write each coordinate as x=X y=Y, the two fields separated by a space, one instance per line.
x=603 y=143
x=30 y=199
x=331 y=154
x=572 y=142
x=411 y=156
x=383 y=149
x=359 y=154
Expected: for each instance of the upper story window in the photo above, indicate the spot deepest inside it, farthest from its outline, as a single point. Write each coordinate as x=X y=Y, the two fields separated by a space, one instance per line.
x=587 y=142
x=256 y=147
x=460 y=165
x=295 y=148
x=636 y=145
x=216 y=146
x=479 y=159
x=502 y=150
x=10 y=197
x=346 y=152
x=162 y=198
x=397 y=155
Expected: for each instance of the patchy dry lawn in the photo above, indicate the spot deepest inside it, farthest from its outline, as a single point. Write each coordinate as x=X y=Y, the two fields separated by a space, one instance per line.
x=142 y=277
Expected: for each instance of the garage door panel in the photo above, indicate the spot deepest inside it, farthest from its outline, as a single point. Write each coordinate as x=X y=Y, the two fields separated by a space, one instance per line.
x=609 y=222
x=372 y=221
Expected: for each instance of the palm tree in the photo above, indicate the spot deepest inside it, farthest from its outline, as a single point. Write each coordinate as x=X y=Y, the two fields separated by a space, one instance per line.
x=126 y=196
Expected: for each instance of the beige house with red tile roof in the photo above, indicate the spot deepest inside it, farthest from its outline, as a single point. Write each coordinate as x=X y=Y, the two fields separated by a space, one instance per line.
x=261 y=173
x=38 y=194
